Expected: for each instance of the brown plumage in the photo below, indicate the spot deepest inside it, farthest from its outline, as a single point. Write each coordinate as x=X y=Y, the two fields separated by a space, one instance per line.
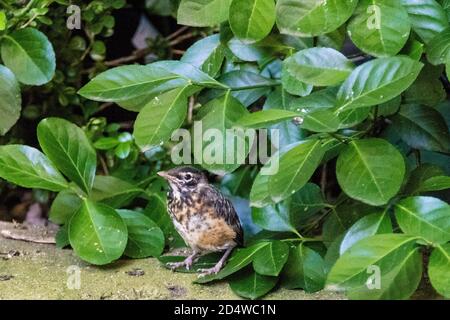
x=204 y=218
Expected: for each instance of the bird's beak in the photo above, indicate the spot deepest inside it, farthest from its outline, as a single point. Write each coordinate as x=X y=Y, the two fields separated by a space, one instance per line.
x=165 y=175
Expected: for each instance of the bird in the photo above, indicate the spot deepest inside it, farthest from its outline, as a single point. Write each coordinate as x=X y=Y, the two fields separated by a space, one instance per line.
x=204 y=218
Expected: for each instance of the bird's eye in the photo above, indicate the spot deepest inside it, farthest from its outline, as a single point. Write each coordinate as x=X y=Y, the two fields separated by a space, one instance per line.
x=188 y=177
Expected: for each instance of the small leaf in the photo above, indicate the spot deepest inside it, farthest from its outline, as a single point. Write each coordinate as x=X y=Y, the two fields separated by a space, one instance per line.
x=439 y=269
x=29 y=54
x=422 y=128
x=114 y=191
x=29 y=168
x=145 y=239
x=273 y=218
x=11 y=101
x=425 y=217
x=207 y=54
x=97 y=233
x=203 y=13
x=159 y=118
x=252 y=285
x=252 y=20
x=435 y=184
x=377 y=81
x=319 y=66
x=264 y=119
x=65 y=205
x=68 y=147
x=305 y=270
x=393 y=256
x=370 y=171
x=106 y=143
x=270 y=260
x=375 y=223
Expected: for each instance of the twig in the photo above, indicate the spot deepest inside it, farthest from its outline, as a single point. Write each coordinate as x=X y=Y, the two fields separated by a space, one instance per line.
x=176 y=33
x=178 y=52
x=104 y=166
x=181 y=39
x=136 y=55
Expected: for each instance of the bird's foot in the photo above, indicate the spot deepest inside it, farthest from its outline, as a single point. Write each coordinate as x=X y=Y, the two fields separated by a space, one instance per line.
x=187 y=263
x=210 y=271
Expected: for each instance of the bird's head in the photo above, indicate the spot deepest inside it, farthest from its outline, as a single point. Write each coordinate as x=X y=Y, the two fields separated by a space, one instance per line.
x=184 y=178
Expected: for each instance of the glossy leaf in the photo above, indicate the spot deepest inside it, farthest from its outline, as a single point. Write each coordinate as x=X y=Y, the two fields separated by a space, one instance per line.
x=270 y=260
x=159 y=118
x=319 y=66
x=206 y=54
x=438 y=48
x=29 y=54
x=370 y=171
x=321 y=121
x=126 y=82
x=69 y=149
x=203 y=13
x=425 y=217
x=435 y=184
x=428 y=18
x=422 y=128
x=221 y=114
x=264 y=119
x=145 y=238
x=291 y=84
x=252 y=20
x=11 y=101
x=439 y=269
x=114 y=191
x=380 y=27
x=375 y=223
x=305 y=270
x=29 y=168
x=97 y=233
x=391 y=256
x=273 y=218
x=252 y=285
x=311 y=17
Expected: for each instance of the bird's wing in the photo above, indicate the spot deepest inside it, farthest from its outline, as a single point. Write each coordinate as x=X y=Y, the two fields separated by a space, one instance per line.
x=225 y=209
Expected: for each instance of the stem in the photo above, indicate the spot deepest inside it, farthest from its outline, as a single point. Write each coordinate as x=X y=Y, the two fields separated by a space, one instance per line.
x=338 y=137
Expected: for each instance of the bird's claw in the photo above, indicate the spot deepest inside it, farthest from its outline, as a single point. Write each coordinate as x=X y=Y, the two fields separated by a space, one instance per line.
x=187 y=263
x=210 y=271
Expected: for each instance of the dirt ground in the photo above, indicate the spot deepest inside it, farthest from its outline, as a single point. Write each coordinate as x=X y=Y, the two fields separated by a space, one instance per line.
x=41 y=271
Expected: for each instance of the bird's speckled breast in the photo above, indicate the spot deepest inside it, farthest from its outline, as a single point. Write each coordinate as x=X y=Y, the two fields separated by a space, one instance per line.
x=199 y=225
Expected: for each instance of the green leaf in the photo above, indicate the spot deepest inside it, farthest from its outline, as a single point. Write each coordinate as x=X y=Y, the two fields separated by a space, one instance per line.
x=67 y=146
x=106 y=143
x=424 y=217
x=370 y=171
x=377 y=81
x=252 y=285
x=273 y=218
x=11 y=101
x=428 y=88
x=291 y=84
x=266 y=118
x=29 y=168
x=29 y=54
x=375 y=223
x=239 y=260
x=428 y=18
x=419 y=175
x=203 y=13
x=422 y=128
x=438 y=48
x=312 y=17
x=62 y=237
x=3 y=20
x=435 y=184
x=270 y=260
x=380 y=27
x=305 y=203
x=159 y=118
x=393 y=257
x=114 y=191
x=319 y=66
x=296 y=167
x=189 y=72
x=321 y=99
x=439 y=269
x=206 y=54
x=65 y=205
x=252 y=20
x=145 y=238
x=221 y=114
x=97 y=233
x=305 y=270
x=127 y=82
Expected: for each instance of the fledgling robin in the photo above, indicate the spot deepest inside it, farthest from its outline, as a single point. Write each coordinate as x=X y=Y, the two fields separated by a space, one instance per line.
x=204 y=218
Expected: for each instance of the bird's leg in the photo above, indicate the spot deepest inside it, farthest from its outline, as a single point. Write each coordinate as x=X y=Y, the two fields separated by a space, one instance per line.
x=188 y=262
x=218 y=266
